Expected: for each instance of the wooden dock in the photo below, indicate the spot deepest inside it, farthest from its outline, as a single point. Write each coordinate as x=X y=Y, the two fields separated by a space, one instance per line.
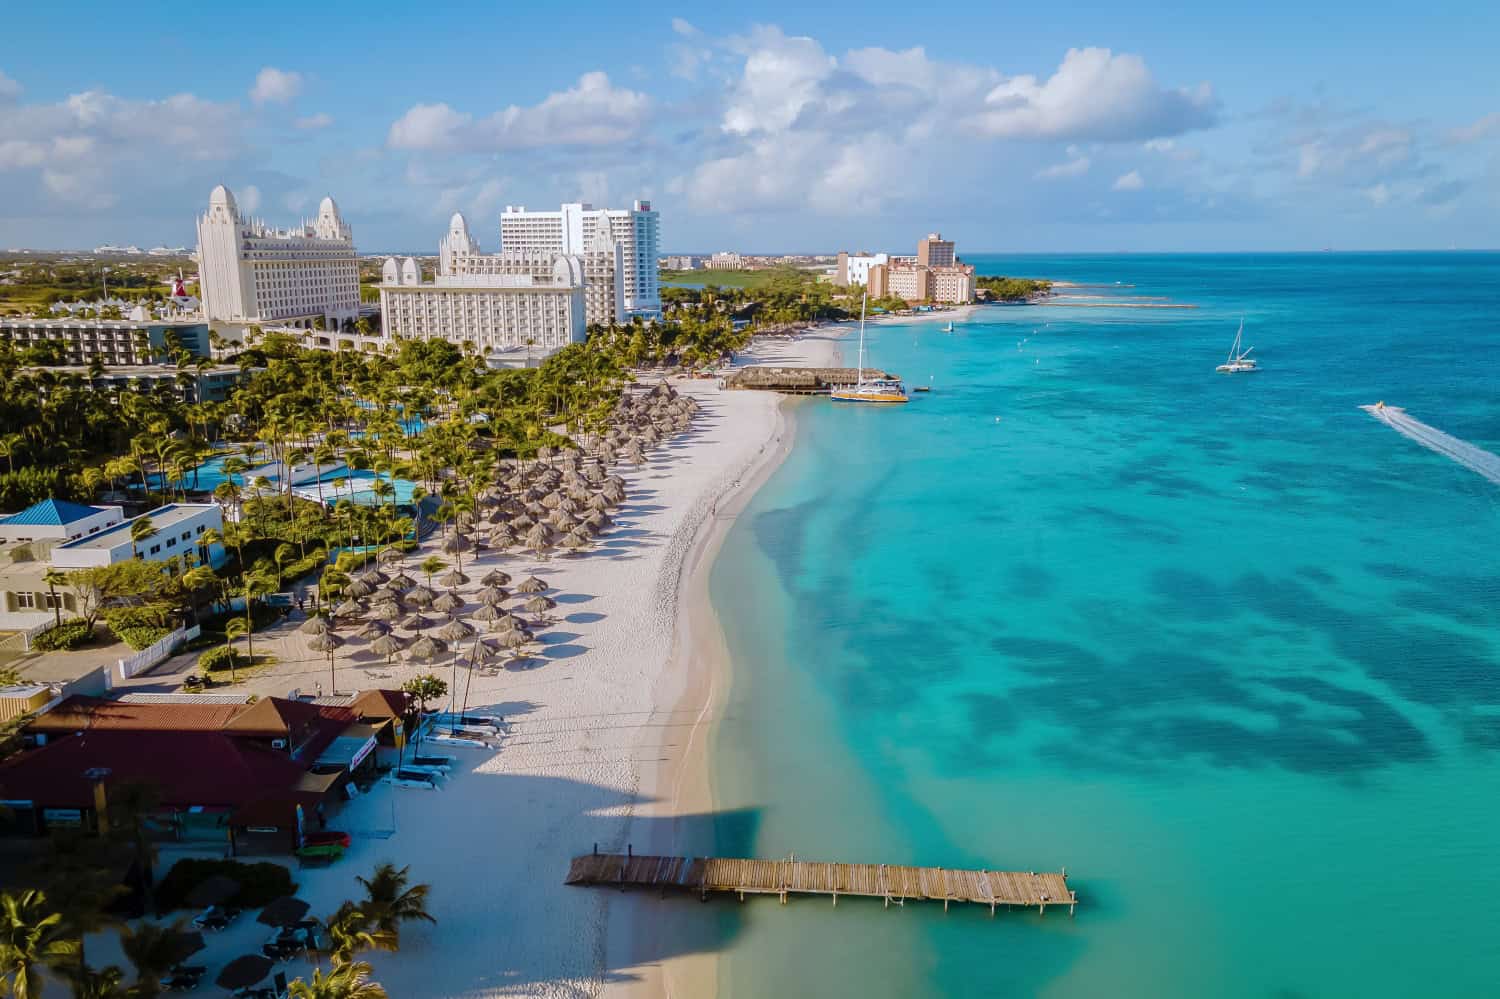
x=890 y=882
x=798 y=381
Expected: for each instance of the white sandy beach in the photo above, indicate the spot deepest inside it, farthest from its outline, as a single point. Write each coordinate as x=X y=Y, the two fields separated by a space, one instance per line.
x=606 y=743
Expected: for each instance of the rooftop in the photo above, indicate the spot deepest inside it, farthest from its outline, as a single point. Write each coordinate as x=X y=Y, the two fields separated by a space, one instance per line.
x=52 y=512
x=164 y=518
x=92 y=714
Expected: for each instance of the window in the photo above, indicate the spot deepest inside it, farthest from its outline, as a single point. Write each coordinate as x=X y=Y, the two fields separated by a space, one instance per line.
x=26 y=601
x=187 y=535
x=155 y=549
x=171 y=543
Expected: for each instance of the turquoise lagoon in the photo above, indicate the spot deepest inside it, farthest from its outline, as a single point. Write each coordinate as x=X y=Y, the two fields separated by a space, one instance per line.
x=1224 y=647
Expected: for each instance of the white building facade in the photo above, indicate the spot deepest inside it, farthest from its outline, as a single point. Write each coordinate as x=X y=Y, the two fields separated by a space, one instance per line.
x=509 y=318
x=580 y=228
x=177 y=531
x=603 y=267
x=854 y=268
x=250 y=272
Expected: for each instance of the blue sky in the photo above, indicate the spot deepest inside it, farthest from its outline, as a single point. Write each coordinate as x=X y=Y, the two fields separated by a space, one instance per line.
x=1090 y=127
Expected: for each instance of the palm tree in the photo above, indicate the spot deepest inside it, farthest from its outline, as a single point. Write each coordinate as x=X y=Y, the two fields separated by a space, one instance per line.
x=431 y=565
x=103 y=983
x=284 y=554
x=152 y=949
x=141 y=529
x=345 y=981
x=235 y=627
x=349 y=933
x=52 y=577
x=30 y=937
x=389 y=902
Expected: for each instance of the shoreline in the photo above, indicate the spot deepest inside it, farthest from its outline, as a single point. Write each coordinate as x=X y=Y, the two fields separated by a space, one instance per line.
x=695 y=683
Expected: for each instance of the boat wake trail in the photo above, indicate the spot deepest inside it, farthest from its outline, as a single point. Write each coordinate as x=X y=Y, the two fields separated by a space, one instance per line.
x=1473 y=458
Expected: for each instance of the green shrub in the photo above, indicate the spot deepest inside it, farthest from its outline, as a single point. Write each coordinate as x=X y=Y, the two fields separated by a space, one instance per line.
x=152 y=615
x=68 y=635
x=142 y=636
x=221 y=658
x=259 y=883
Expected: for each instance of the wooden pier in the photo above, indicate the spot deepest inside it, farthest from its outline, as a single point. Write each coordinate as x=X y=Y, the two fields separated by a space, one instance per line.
x=798 y=381
x=890 y=882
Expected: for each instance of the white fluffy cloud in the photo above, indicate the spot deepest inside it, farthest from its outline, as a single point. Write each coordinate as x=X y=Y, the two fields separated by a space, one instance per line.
x=313 y=122
x=1474 y=131
x=593 y=112
x=782 y=75
x=275 y=86
x=1077 y=166
x=1128 y=182
x=92 y=148
x=1096 y=95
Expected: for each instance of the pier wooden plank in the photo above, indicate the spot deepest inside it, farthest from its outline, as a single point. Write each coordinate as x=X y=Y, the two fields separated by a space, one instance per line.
x=895 y=882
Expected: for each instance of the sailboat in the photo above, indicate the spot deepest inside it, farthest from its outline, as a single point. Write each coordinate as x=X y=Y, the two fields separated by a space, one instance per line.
x=1239 y=356
x=874 y=390
x=949 y=327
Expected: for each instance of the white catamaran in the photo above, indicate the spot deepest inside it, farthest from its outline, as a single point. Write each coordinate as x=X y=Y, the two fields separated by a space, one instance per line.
x=874 y=390
x=1239 y=357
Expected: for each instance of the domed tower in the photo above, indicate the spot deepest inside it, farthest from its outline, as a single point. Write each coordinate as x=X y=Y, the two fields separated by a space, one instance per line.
x=223 y=286
x=330 y=224
x=390 y=271
x=410 y=272
x=456 y=243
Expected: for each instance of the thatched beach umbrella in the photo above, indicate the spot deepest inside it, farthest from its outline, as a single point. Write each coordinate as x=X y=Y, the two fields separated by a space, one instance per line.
x=453 y=578
x=539 y=538
x=401 y=583
x=533 y=584
x=359 y=588
x=598 y=520
x=315 y=625
x=420 y=596
x=495 y=578
x=502 y=537
x=373 y=629
x=387 y=646
x=388 y=609
x=425 y=650
x=391 y=556
x=374 y=577
x=574 y=542
x=417 y=622
x=539 y=605
x=213 y=890
x=328 y=643
x=457 y=544
x=492 y=595
x=448 y=602
x=283 y=911
x=243 y=972
x=508 y=622
x=522 y=522
x=349 y=608
x=455 y=631
x=487 y=613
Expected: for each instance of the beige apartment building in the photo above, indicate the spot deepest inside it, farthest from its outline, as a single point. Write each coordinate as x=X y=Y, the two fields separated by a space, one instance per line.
x=935 y=275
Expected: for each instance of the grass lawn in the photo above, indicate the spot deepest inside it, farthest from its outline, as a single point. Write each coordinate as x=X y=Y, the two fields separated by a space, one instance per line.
x=740 y=279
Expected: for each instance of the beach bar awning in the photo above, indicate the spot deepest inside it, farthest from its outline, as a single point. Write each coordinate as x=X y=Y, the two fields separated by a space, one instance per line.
x=350 y=748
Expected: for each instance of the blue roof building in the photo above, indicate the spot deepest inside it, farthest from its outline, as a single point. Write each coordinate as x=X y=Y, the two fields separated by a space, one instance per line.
x=57 y=520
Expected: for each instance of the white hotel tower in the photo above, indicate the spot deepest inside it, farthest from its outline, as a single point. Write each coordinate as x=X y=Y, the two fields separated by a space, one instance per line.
x=579 y=228
x=252 y=273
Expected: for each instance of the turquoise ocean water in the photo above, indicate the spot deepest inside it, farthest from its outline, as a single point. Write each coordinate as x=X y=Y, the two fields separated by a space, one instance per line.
x=1225 y=647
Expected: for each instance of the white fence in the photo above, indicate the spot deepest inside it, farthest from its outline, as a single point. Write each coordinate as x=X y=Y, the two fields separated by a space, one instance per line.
x=150 y=656
x=21 y=640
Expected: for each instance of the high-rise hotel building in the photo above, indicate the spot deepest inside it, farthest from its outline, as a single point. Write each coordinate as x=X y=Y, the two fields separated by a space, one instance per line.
x=510 y=307
x=575 y=228
x=250 y=272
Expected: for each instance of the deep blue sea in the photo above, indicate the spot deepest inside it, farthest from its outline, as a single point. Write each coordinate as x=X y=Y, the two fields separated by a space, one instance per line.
x=1224 y=647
